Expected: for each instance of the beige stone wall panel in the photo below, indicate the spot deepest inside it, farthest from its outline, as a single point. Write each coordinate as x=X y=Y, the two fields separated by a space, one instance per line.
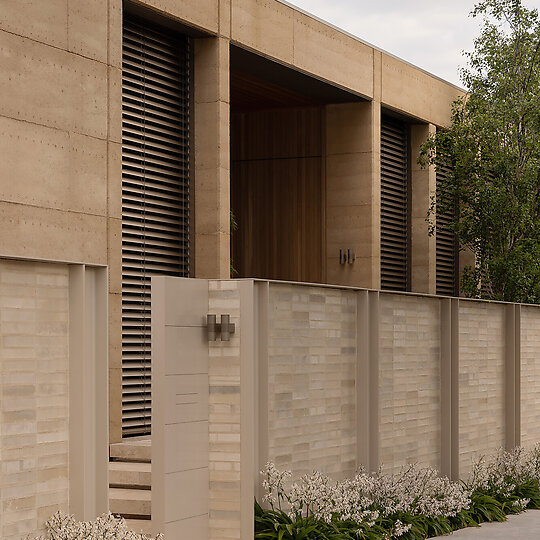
x=530 y=376
x=41 y=233
x=114 y=50
x=114 y=254
x=412 y=91
x=224 y=498
x=114 y=112
x=88 y=28
x=34 y=395
x=40 y=21
x=52 y=169
x=409 y=381
x=481 y=381
x=311 y=380
x=265 y=26
x=114 y=180
x=48 y=86
x=332 y=55
x=353 y=192
x=115 y=367
x=200 y=13
x=423 y=187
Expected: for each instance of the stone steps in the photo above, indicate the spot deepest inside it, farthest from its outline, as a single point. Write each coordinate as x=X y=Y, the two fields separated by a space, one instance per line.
x=130 y=482
x=131 y=503
x=130 y=474
x=136 y=449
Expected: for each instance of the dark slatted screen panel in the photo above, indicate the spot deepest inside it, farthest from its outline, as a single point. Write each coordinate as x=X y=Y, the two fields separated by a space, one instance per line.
x=155 y=196
x=447 y=271
x=394 y=205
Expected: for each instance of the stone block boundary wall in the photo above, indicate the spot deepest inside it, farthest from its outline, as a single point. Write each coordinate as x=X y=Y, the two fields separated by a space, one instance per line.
x=53 y=413
x=335 y=378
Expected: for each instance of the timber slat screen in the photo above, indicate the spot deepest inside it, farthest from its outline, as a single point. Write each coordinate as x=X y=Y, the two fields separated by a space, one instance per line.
x=446 y=246
x=155 y=195
x=394 y=205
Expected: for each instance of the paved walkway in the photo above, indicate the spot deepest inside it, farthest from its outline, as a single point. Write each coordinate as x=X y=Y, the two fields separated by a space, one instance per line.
x=524 y=526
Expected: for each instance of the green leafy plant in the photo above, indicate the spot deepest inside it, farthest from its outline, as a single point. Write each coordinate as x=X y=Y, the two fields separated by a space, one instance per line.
x=413 y=504
x=492 y=152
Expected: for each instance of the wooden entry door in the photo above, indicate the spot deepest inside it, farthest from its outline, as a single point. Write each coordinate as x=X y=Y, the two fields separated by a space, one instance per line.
x=277 y=194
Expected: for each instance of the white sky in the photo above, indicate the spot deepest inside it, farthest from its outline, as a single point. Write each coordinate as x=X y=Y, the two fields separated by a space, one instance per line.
x=430 y=34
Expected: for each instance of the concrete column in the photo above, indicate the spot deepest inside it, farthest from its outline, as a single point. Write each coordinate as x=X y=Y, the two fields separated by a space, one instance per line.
x=423 y=246
x=211 y=163
x=450 y=388
x=353 y=192
x=512 y=379
x=88 y=376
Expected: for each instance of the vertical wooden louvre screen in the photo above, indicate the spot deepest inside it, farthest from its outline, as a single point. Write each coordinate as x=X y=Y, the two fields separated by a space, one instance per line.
x=446 y=246
x=155 y=196
x=394 y=205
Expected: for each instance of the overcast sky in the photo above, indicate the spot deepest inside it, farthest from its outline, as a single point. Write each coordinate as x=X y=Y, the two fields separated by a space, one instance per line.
x=428 y=33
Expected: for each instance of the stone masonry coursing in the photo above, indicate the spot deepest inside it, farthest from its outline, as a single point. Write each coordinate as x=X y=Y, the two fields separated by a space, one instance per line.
x=530 y=376
x=311 y=379
x=409 y=381
x=224 y=505
x=481 y=381
x=34 y=395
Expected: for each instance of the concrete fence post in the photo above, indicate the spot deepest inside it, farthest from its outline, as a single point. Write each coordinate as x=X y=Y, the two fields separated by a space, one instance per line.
x=450 y=387
x=374 y=417
x=362 y=380
x=88 y=377
x=261 y=367
x=446 y=386
x=454 y=390
x=512 y=375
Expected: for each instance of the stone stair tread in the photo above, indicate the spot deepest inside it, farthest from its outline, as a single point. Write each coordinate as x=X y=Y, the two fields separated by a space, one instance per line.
x=130 y=502
x=130 y=474
x=130 y=494
x=138 y=466
x=136 y=449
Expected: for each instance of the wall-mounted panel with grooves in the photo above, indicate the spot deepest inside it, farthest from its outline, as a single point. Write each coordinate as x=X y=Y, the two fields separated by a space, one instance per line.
x=155 y=195
x=394 y=205
x=447 y=249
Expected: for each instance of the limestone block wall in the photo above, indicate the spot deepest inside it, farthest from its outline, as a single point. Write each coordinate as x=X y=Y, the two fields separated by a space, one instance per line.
x=409 y=381
x=481 y=381
x=530 y=375
x=311 y=379
x=34 y=395
x=224 y=368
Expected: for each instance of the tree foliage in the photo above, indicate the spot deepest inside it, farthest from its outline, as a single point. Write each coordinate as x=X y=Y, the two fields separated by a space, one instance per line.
x=493 y=150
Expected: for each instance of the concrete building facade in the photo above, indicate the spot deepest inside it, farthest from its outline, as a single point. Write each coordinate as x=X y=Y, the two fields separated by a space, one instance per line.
x=278 y=101
x=201 y=138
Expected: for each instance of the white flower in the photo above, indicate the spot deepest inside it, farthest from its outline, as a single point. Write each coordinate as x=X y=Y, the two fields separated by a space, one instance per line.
x=62 y=526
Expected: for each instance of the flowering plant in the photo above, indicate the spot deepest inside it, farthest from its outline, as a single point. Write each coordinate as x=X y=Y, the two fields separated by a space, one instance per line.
x=62 y=526
x=413 y=503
